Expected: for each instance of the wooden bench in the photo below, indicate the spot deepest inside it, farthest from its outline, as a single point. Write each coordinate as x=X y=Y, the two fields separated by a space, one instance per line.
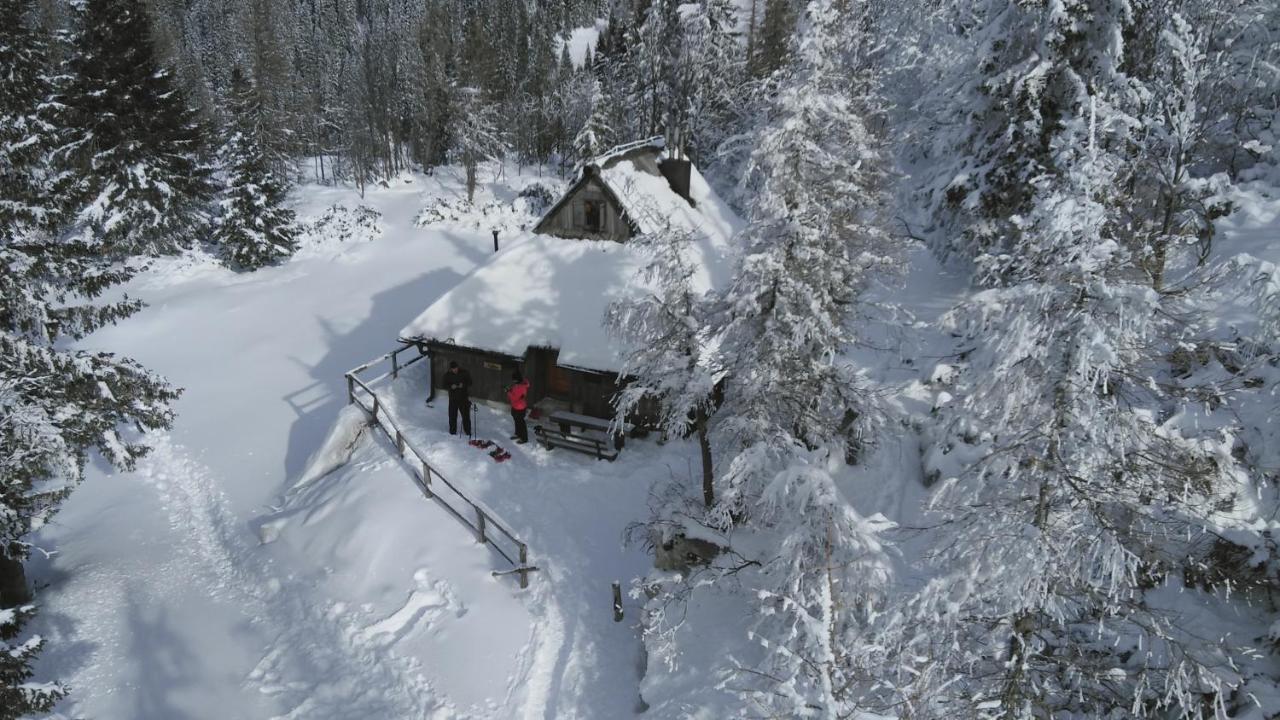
x=562 y=435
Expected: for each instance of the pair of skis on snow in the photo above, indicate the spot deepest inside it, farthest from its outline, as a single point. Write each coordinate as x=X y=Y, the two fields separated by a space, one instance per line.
x=498 y=454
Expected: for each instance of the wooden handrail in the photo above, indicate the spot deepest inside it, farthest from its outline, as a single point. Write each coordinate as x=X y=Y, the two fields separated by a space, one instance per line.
x=486 y=519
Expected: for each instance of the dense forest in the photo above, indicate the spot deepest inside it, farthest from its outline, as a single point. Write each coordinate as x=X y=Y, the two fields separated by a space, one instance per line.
x=1072 y=156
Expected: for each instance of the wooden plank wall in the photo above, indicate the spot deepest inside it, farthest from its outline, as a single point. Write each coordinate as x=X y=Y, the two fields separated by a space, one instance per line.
x=567 y=221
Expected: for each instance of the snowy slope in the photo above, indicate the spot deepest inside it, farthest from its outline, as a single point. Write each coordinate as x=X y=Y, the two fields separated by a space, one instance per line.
x=161 y=601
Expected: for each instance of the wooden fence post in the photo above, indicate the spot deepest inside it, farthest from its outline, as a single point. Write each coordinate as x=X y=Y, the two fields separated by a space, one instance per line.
x=351 y=388
x=480 y=522
x=426 y=478
x=395 y=364
x=399 y=442
x=617 y=602
x=524 y=566
x=375 y=406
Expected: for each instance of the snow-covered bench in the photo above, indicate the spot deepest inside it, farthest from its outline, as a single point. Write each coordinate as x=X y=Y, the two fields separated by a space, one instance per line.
x=563 y=435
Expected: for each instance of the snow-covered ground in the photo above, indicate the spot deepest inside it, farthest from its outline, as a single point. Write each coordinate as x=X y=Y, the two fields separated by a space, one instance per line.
x=203 y=584
x=581 y=42
x=229 y=577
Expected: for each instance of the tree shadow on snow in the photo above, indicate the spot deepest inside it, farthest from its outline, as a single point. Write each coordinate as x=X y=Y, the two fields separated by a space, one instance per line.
x=162 y=663
x=318 y=402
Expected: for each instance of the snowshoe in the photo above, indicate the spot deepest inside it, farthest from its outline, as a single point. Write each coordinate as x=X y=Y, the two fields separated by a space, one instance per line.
x=502 y=456
x=481 y=443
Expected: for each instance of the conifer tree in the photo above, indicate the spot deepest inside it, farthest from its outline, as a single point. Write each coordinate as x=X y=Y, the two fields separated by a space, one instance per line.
x=255 y=229
x=773 y=37
x=25 y=139
x=136 y=147
x=708 y=84
x=649 y=68
x=1081 y=500
x=1078 y=500
x=992 y=120
x=665 y=328
x=55 y=403
x=477 y=134
x=794 y=409
x=1169 y=204
x=596 y=135
x=19 y=697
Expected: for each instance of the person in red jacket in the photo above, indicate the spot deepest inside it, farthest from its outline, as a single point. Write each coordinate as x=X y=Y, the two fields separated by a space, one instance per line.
x=518 y=396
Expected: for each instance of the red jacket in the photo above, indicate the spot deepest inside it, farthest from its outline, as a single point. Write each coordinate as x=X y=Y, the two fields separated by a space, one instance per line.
x=518 y=395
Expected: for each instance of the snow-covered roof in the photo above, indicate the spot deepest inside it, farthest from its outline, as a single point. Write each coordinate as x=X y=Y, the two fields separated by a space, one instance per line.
x=632 y=174
x=545 y=291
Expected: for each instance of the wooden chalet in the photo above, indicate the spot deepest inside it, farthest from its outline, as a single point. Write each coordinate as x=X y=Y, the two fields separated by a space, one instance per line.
x=538 y=304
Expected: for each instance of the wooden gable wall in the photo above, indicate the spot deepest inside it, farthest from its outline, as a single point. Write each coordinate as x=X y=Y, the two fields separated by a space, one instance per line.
x=568 y=220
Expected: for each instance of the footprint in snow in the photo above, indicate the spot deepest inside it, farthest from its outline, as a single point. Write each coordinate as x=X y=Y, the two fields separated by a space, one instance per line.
x=425 y=604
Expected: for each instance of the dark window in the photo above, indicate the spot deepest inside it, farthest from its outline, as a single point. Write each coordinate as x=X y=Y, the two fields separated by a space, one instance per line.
x=592 y=217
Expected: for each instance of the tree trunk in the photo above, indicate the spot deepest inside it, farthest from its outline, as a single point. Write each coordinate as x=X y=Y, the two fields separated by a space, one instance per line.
x=13 y=583
x=704 y=445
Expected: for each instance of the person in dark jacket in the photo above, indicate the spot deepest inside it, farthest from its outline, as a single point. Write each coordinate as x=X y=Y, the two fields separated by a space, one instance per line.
x=458 y=382
x=518 y=396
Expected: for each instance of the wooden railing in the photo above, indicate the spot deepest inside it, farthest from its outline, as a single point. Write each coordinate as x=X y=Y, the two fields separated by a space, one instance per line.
x=435 y=486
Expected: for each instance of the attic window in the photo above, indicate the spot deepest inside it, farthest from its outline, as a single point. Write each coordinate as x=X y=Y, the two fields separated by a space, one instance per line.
x=592 y=218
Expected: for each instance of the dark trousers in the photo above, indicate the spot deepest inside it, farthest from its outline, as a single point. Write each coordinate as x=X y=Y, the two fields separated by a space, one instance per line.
x=459 y=406
x=522 y=430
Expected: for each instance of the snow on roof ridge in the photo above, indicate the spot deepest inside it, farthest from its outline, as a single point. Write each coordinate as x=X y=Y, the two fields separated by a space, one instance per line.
x=657 y=141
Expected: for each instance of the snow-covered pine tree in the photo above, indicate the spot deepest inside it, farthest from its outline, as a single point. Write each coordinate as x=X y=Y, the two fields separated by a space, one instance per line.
x=596 y=135
x=1170 y=204
x=255 y=228
x=137 y=148
x=708 y=92
x=1244 y=79
x=665 y=328
x=649 y=66
x=477 y=133
x=773 y=36
x=794 y=406
x=1060 y=547
x=989 y=124
x=19 y=697
x=25 y=139
x=54 y=403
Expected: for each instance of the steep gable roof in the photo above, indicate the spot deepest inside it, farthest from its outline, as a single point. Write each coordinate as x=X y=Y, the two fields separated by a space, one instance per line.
x=633 y=181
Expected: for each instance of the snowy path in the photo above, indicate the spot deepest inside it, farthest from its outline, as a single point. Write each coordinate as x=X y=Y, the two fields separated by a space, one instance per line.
x=160 y=603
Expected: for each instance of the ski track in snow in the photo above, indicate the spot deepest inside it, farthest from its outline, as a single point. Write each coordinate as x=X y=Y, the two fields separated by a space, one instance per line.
x=321 y=663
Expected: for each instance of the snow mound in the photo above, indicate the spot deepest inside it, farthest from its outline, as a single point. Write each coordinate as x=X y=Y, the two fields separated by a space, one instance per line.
x=336 y=449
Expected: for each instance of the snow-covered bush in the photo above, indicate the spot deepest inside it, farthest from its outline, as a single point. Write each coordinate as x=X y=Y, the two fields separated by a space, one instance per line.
x=339 y=224
x=495 y=215
x=537 y=197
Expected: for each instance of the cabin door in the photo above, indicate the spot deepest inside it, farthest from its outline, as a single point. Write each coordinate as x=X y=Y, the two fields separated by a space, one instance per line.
x=558 y=383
